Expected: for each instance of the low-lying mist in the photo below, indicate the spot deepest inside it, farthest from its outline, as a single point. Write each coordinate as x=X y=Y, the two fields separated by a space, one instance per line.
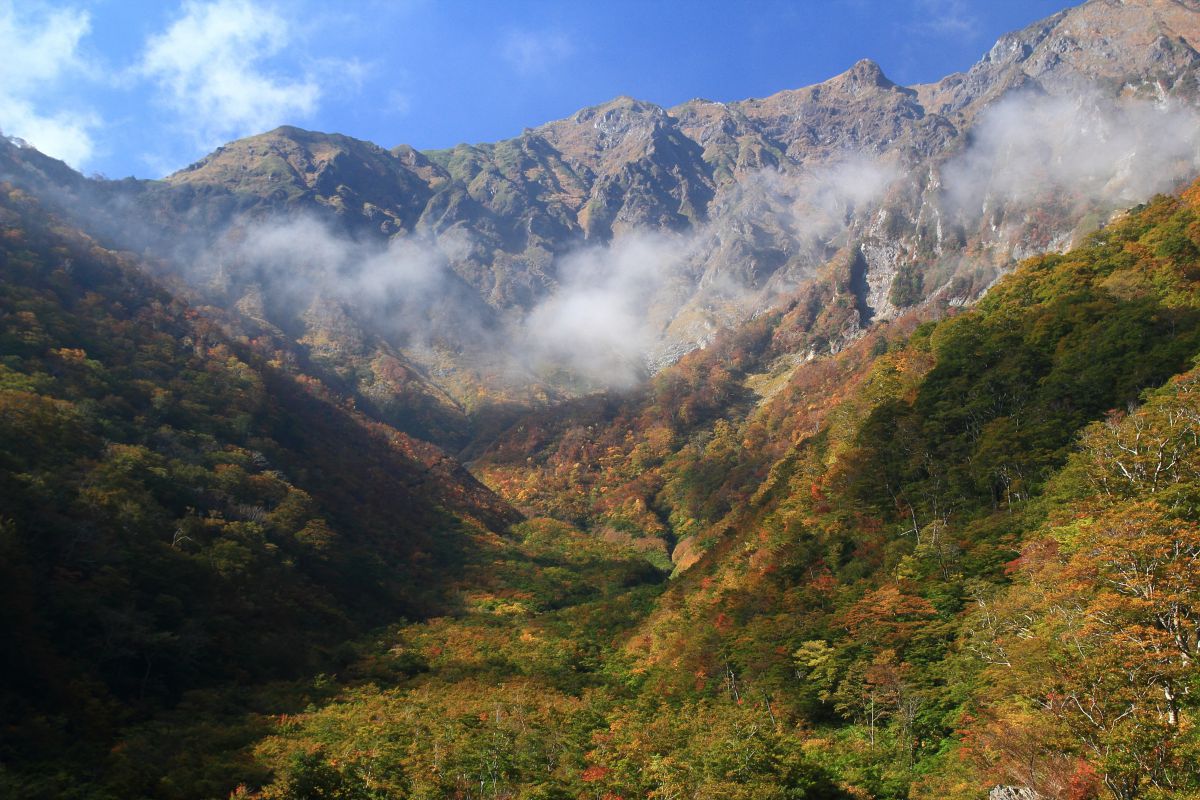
x=616 y=310
x=608 y=309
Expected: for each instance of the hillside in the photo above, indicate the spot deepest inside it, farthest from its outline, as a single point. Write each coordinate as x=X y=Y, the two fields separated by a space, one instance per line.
x=840 y=443
x=939 y=563
x=180 y=513
x=902 y=571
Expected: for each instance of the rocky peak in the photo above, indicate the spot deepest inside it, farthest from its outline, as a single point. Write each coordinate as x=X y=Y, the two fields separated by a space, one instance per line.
x=860 y=110
x=286 y=154
x=290 y=168
x=603 y=137
x=418 y=163
x=619 y=114
x=1015 y=47
x=864 y=76
x=1101 y=41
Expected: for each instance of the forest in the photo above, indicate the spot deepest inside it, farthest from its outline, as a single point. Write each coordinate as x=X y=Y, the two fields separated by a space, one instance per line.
x=961 y=552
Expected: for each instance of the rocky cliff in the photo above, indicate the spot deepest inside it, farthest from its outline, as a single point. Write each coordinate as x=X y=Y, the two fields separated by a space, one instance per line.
x=665 y=225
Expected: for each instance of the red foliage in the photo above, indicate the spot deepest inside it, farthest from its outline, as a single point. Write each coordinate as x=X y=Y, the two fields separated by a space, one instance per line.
x=594 y=773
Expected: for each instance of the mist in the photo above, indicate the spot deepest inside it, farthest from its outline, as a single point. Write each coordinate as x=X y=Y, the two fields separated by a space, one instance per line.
x=609 y=317
x=597 y=323
x=300 y=273
x=1030 y=145
x=616 y=311
x=602 y=322
x=606 y=314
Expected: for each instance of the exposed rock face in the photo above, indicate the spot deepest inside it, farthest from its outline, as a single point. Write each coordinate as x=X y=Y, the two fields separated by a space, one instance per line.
x=759 y=196
x=1139 y=47
x=859 y=111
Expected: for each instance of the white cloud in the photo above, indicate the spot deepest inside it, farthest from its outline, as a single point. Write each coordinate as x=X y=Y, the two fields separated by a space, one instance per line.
x=1086 y=145
x=209 y=66
x=39 y=54
x=398 y=102
x=405 y=289
x=306 y=255
x=599 y=322
x=532 y=52
x=946 y=18
x=816 y=203
x=64 y=136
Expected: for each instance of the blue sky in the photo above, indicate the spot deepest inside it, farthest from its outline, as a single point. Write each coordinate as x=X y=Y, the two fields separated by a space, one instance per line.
x=144 y=87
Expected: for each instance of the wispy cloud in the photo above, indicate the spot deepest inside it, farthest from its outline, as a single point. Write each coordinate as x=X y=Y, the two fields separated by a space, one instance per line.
x=398 y=102
x=210 y=67
x=1029 y=146
x=946 y=18
x=40 y=52
x=609 y=314
x=599 y=323
x=531 y=52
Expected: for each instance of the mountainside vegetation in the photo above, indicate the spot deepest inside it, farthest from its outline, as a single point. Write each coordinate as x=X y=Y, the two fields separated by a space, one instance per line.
x=178 y=512
x=853 y=564
x=842 y=443
x=960 y=552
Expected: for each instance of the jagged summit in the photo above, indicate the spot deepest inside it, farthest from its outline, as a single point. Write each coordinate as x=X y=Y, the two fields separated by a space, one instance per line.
x=623 y=127
x=621 y=104
x=865 y=73
x=1144 y=48
x=761 y=182
x=290 y=168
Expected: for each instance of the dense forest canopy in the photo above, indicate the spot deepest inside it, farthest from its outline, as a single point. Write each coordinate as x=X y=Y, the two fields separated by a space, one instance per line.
x=961 y=552
x=842 y=443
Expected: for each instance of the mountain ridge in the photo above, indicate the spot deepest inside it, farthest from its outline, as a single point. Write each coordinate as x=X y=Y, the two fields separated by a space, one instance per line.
x=928 y=494
x=728 y=208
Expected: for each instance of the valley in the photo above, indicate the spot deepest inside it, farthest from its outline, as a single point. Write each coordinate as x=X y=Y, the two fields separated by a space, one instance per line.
x=841 y=443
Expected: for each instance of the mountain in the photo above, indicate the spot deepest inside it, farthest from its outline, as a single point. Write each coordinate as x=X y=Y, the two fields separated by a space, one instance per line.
x=179 y=509
x=839 y=443
x=899 y=573
x=908 y=556
x=1097 y=42
x=690 y=219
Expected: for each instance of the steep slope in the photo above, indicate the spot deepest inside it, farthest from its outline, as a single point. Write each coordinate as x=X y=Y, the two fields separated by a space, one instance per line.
x=176 y=512
x=923 y=570
x=1109 y=41
x=844 y=545
x=859 y=111
x=287 y=168
x=290 y=299
x=871 y=537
